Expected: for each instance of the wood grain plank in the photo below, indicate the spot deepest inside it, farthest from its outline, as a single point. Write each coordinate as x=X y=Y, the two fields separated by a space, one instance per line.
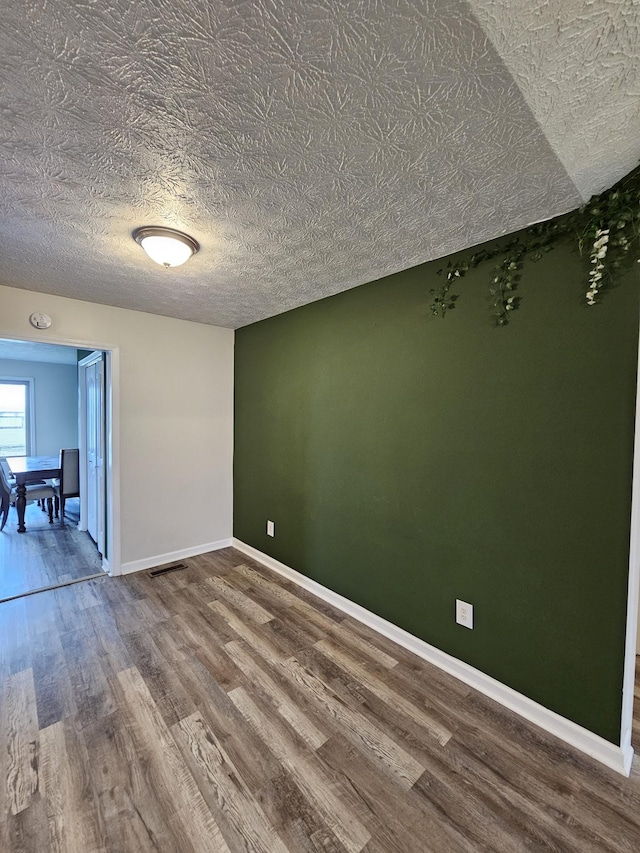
x=340 y=682
x=269 y=649
x=205 y=643
x=254 y=611
x=41 y=612
x=269 y=644
x=69 y=616
x=383 y=691
x=367 y=649
x=54 y=694
x=398 y=820
x=173 y=780
x=316 y=614
x=358 y=728
x=15 y=644
x=223 y=787
x=134 y=818
x=137 y=616
x=73 y=821
x=88 y=593
x=282 y=700
x=111 y=649
x=248 y=753
x=297 y=622
x=91 y=691
x=20 y=740
x=170 y=697
x=27 y=831
x=308 y=776
x=299 y=823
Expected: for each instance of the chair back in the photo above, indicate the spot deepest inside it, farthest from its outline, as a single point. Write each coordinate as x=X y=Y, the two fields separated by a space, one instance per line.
x=6 y=470
x=5 y=488
x=70 y=473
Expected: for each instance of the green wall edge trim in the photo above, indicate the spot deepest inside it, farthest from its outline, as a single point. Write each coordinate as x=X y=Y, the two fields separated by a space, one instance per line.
x=618 y=758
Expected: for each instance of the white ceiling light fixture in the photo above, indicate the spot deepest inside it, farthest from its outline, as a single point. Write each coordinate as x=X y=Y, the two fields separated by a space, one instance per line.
x=166 y=246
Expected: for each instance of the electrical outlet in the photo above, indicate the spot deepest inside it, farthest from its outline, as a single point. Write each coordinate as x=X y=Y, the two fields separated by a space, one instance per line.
x=464 y=613
x=271 y=528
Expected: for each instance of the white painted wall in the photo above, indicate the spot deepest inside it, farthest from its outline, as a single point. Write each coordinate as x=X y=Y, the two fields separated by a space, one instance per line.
x=55 y=402
x=175 y=412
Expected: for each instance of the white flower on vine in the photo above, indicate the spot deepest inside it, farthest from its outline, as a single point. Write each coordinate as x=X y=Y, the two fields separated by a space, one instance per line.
x=598 y=254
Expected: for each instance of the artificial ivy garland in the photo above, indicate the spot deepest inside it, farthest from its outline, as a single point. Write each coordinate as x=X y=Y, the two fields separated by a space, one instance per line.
x=608 y=224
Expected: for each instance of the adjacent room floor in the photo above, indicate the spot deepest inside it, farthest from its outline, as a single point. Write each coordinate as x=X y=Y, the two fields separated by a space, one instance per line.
x=47 y=554
x=221 y=708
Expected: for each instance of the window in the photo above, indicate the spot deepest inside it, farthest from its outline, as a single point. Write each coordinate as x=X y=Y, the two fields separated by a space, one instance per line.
x=15 y=417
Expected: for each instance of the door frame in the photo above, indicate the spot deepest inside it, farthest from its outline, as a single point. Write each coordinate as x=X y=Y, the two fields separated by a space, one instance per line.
x=83 y=364
x=112 y=562
x=633 y=594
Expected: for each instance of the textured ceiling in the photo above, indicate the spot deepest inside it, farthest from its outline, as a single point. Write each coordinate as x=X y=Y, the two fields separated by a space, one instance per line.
x=309 y=146
x=577 y=64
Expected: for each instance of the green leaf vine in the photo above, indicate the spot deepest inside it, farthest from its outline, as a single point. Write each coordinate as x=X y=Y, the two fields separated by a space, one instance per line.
x=608 y=227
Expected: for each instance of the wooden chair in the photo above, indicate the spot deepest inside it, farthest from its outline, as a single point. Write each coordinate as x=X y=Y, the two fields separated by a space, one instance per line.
x=8 y=475
x=68 y=486
x=5 y=492
x=8 y=495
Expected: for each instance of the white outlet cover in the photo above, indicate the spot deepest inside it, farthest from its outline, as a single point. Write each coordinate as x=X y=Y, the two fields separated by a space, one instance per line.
x=464 y=613
x=271 y=528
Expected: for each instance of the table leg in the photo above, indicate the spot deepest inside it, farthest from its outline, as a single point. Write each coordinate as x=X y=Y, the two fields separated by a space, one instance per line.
x=21 y=503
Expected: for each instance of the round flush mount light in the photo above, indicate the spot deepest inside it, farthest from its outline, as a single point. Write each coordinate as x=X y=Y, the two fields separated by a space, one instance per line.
x=166 y=246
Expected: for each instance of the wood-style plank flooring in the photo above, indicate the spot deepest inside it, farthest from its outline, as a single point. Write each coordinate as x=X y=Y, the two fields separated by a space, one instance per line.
x=47 y=554
x=223 y=709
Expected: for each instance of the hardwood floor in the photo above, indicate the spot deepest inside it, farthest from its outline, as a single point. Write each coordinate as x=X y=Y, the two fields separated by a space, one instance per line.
x=223 y=709
x=47 y=554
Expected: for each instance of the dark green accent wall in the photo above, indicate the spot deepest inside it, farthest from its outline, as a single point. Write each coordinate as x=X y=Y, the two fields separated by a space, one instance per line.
x=408 y=461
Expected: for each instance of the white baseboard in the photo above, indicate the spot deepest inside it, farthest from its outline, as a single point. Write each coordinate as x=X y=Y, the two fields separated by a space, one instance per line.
x=162 y=559
x=616 y=757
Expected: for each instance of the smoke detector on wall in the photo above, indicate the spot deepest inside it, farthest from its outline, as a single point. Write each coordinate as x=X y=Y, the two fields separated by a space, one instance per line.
x=39 y=320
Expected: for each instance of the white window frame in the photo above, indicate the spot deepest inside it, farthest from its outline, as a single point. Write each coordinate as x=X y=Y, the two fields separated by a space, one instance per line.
x=30 y=397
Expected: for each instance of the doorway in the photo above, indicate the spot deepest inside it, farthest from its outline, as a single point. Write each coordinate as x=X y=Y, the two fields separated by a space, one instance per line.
x=68 y=550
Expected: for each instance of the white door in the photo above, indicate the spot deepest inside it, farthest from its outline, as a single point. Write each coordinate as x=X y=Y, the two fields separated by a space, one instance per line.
x=94 y=449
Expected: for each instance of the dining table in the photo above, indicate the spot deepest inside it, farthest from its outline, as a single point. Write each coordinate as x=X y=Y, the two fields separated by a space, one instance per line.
x=31 y=469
